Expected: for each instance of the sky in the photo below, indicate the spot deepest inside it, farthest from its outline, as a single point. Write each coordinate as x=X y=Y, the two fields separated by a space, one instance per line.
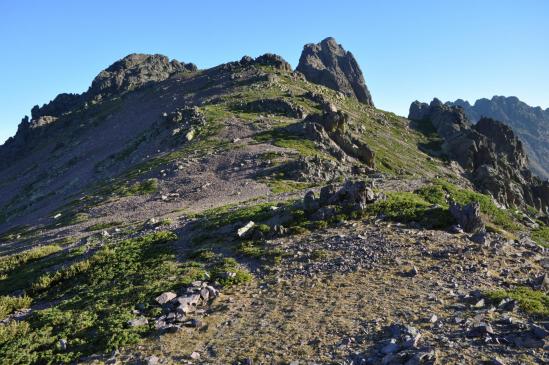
x=408 y=50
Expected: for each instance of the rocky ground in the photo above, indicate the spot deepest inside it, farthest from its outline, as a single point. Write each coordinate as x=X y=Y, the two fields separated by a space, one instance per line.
x=339 y=294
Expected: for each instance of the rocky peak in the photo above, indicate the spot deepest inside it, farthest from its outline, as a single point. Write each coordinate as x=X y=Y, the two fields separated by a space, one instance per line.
x=328 y=63
x=270 y=59
x=529 y=123
x=489 y=151
x=136 y=70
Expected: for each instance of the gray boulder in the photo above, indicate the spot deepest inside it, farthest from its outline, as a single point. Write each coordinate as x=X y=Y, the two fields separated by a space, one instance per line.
x=328 y=64
x=468 y=217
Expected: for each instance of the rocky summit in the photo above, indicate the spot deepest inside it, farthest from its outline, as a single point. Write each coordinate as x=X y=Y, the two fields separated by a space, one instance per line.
x=328 y=63
x=251 y=213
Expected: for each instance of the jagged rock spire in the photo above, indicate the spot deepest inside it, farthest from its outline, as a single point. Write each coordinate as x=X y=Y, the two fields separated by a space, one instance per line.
x=328 y=63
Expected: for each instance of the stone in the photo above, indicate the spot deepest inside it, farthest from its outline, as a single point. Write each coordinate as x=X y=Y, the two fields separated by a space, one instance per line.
x=242 y=231
x=391 y=347
x=542 y=282
x=195 y=355
x=165 y=297
x=413 y=271
x=205 y=294
x=539 y=332
x=310 y=203
x=496 y=361
x=138 y=322
x=269 y=59
x=479 y=304
x=468 y=217
x=323 y=214
x=433 y=318
x=328 y=64
x=213 y=292
x=455 y=229
x=193 y=299
x=481 y=330
x=62 y=344
x=196 y=323
x=153 y=360
x=479 y=237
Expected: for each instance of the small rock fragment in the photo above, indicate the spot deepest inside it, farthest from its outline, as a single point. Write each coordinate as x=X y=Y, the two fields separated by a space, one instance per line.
x=165 y=297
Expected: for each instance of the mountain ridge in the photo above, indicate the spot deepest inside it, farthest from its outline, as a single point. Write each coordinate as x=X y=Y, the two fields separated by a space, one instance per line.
x=204 y=216
x=529 y=123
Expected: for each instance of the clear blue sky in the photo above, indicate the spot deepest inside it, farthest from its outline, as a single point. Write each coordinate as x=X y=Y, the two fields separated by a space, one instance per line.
x=407 y=49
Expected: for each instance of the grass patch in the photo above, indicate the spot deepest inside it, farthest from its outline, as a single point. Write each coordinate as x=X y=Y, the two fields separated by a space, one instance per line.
x=541 y=236
x=440 y=190
x=148 y=186
x=227 y=272
x=409 y=207
x=229 y=214
x=280 y=137
x=9 y=304
x=279 y=186
x=100 y=226
x=10 y=263
x=531 y=301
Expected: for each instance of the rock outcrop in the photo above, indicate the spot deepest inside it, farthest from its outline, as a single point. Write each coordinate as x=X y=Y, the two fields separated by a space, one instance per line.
x=134 y=71
x=489 y=151
x=329 y=128
x=328 y=64
x=530 y=124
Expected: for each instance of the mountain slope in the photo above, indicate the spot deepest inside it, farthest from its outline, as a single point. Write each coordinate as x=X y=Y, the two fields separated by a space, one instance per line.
x=531 y=124
x=243 y=214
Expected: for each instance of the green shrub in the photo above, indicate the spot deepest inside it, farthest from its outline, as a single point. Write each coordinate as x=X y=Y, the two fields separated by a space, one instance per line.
x=436 y=194
x=410 y=207
x=531 y=301
x=226 y=266
x=541 y=236
x=106 y=225
x=249 y=249
x=9 y=304
x=94 y=306
x=10 y=263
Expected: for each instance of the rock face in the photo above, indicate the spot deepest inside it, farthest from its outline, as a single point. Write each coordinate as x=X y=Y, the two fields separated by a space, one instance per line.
x=530 y=124
x=328 y=64
x=135 y=70
x=489 y=151
x=329 y=129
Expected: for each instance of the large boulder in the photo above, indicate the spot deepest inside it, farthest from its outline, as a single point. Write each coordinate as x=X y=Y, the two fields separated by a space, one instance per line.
x=468 y=217
x=328 y=64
